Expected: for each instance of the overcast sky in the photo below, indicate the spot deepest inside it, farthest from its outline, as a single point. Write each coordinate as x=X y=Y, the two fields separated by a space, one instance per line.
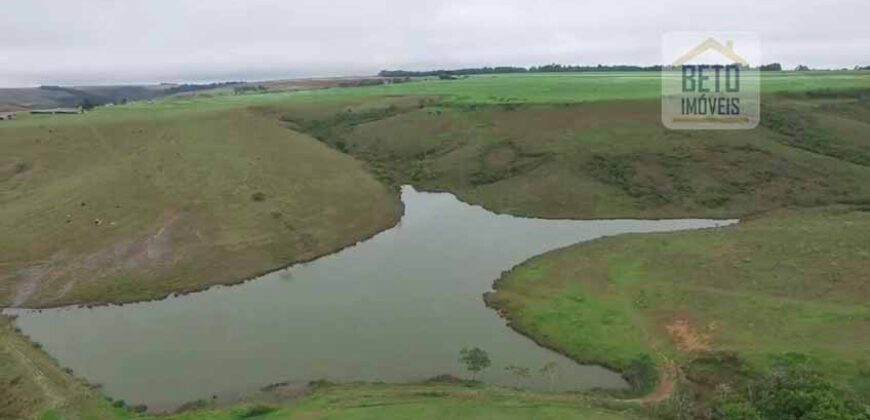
x=127 y=41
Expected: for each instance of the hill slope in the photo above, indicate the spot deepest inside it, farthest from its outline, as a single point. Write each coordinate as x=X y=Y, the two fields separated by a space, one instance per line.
x=606 y=159
x=122 y=205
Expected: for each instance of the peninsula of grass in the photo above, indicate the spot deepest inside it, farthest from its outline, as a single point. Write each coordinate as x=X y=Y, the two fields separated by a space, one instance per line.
x=786 y=286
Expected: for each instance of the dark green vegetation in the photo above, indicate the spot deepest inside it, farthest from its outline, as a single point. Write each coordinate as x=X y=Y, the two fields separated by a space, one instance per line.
x=474 y=359
x=547 y=68
x=59 y=97
x=787 y=392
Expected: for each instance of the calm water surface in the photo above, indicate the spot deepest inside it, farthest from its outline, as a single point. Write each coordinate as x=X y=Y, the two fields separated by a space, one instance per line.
x=395 y=308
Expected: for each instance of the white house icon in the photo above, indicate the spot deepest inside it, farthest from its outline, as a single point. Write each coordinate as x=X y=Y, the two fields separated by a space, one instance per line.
x=726 y=50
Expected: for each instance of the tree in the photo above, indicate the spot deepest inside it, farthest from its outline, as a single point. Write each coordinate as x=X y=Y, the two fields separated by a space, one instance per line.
x=801 y=67
x=87 y=104
x=474 y=359
x=520 y=372
x=642 y=373
x=799 y=394
x=550 y=370
x=789 y=392
x=738 y=410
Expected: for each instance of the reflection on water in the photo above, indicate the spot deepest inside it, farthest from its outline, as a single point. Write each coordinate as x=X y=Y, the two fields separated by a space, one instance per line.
x=396 y=308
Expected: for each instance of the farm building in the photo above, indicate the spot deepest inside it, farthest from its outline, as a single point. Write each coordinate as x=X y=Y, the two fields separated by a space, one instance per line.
x=52 y=111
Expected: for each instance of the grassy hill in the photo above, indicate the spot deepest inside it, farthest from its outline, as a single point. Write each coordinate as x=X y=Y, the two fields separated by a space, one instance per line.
x=785 y=285
x=139 y=201
x=606 y=159
x=133 y=205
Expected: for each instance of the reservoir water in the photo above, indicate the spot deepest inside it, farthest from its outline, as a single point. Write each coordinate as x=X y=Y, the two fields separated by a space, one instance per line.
x=397 y=307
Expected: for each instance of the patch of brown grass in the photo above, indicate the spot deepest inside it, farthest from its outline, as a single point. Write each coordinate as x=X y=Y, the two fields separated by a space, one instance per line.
x=687 y=338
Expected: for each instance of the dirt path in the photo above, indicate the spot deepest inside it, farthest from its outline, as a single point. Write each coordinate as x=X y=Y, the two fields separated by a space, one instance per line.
x=666 y=384
x=54 y=399
x=665 y=387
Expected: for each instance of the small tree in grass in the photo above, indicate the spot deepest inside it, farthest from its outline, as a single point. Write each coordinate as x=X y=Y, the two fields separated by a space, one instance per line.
x=550 y=370
x=474 y=359
x=519 y=371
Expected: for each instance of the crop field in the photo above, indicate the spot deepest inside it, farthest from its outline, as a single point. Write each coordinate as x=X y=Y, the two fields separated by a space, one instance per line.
x=545 y=88
x=586 y=87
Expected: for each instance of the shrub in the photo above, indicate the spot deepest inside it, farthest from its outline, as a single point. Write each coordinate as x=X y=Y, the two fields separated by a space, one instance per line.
x=798 y=394
x=258 y=196
x=255 y=411
x=680 y=406
x=642 y=374
x=789 y=392
x=738 y=410
x=474 y=359
x=22 y=166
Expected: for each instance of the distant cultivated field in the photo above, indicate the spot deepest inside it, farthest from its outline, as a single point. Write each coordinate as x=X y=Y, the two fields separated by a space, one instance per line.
x=543 y=88
x=583 y=87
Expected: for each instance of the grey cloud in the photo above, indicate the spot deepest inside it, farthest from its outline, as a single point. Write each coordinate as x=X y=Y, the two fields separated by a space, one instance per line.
x=108 y=41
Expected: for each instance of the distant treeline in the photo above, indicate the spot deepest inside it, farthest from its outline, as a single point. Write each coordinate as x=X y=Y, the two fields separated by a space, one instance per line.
x=189 y=87
x=374 y=82
x=548 y=68
x=88 y=98
x=554 y=68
